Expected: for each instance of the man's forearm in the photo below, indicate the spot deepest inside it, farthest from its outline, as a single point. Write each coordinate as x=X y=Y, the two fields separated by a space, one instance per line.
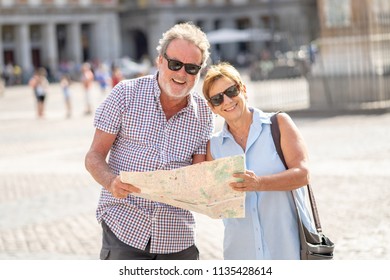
x=99 y=169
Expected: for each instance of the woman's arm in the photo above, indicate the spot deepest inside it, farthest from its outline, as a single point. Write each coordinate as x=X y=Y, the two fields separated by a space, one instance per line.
x=296 y=156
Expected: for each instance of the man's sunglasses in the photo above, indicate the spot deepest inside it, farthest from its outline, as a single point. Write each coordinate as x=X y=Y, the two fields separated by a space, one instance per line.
x=176 y=65
x=217 y=99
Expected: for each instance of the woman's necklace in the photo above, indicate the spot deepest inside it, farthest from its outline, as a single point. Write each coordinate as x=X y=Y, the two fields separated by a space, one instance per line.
x=240 y=134
x=240 y=139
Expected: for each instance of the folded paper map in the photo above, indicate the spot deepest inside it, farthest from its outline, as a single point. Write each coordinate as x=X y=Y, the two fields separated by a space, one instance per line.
x=202 y=188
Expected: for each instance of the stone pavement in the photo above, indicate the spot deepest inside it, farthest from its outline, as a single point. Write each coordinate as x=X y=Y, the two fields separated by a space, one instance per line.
x=48 y=200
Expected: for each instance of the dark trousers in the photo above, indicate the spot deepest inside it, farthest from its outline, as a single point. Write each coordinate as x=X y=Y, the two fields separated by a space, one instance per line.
x=114 y=249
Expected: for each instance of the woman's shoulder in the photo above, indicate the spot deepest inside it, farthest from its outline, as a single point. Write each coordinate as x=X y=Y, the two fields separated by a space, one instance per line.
x=283 y=118
x=261 y=116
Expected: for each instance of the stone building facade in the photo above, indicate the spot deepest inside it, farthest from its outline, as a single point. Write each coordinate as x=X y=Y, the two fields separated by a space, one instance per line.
x=49 y=32
x=143 y=21
x=352 y=70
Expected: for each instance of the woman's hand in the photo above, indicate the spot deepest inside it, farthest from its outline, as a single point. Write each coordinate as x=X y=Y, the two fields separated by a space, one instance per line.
x=250 y=182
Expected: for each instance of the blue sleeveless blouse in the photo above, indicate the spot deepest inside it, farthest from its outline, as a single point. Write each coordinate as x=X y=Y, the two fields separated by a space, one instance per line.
x=269 y=230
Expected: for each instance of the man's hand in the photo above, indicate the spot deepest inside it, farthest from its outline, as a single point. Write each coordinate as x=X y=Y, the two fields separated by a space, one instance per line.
x=121 y=190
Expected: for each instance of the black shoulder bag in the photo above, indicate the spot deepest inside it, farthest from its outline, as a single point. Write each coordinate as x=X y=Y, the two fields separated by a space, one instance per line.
x=314 y=246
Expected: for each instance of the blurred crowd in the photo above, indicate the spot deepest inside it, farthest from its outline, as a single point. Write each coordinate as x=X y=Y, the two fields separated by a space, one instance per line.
x=11 y=75
x=106 y=75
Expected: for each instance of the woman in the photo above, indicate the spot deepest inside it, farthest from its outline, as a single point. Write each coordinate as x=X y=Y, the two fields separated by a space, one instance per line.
x=116 y=76
x=269 y=229
x=65 y=85
x=40 y=84
x=87 y=78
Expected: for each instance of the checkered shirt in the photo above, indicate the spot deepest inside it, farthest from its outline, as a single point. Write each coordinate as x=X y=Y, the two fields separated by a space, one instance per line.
x=147 y=141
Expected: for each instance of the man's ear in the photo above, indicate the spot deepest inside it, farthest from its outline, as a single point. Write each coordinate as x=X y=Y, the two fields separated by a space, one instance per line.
x=159 y=59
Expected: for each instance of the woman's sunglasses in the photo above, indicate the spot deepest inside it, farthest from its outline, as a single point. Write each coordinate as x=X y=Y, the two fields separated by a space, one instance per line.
x=217 y=99
x=176 y=65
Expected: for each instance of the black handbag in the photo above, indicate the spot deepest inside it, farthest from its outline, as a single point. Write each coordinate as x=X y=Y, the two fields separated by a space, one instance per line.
x=314 y=246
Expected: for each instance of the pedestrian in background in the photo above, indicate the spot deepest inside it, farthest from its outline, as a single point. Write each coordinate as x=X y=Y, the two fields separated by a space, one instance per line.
x=65 y=85
x=154 y=122
x=39 y=83
x=102 y=76
x=270 y=227
x=87 y=79
x=17 y=73
x=116 y=76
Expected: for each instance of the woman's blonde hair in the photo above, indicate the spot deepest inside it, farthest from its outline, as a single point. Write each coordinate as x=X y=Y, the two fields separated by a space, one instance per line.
x=218 y=71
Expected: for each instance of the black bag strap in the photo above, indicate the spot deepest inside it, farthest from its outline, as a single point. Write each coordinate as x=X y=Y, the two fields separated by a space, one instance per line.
x=275 y=131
